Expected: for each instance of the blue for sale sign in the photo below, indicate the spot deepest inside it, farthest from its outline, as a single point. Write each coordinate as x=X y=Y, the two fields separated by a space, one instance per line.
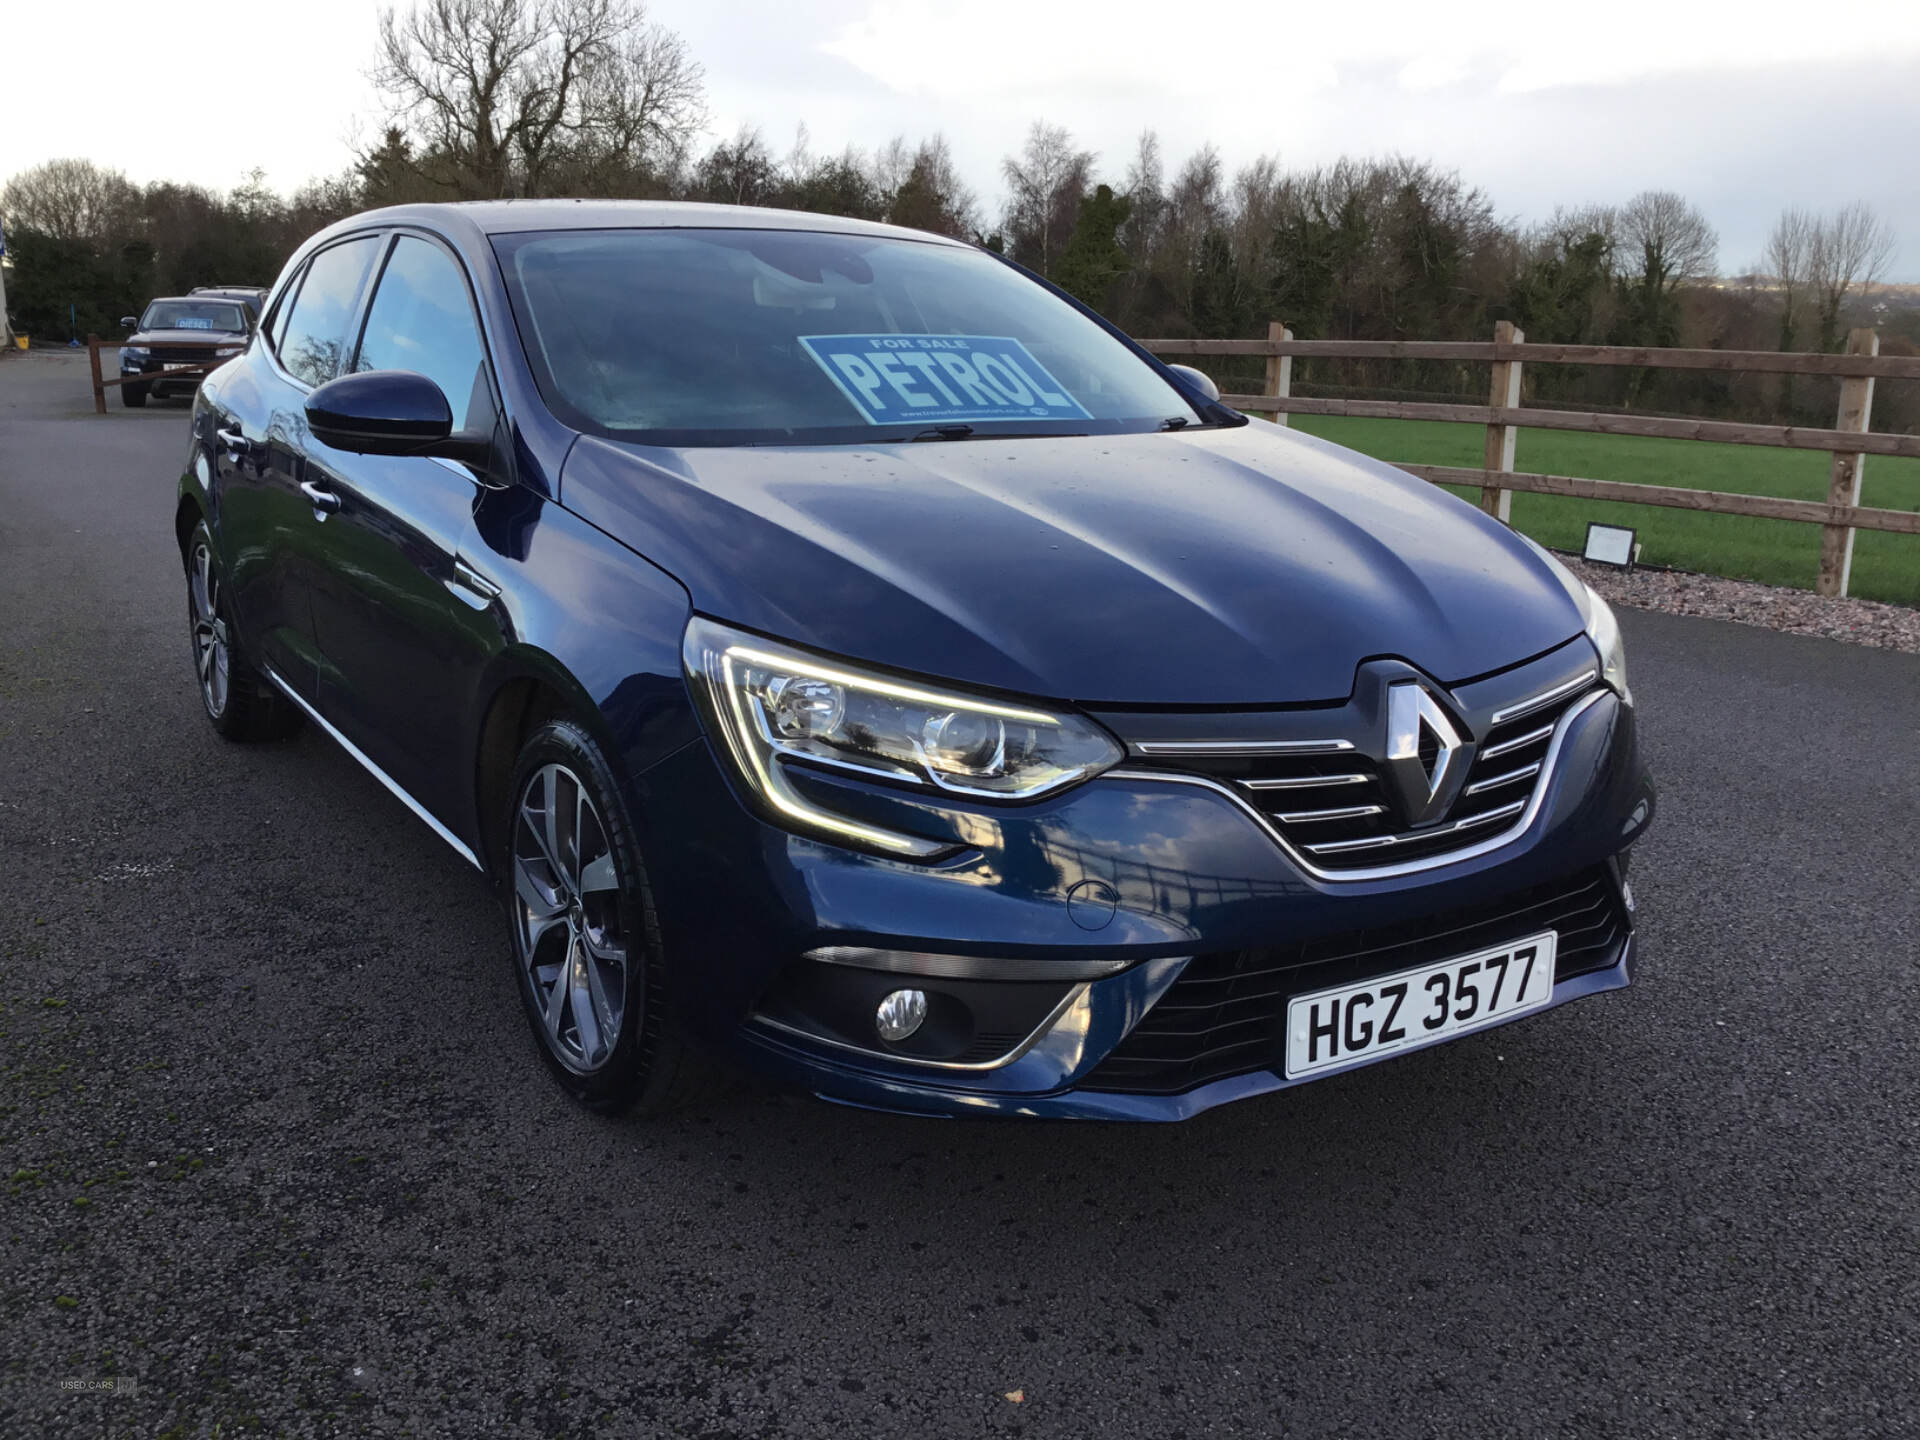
x=936 y=379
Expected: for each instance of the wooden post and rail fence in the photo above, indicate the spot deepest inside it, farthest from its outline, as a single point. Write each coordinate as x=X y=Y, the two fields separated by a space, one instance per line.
x=1849 y=442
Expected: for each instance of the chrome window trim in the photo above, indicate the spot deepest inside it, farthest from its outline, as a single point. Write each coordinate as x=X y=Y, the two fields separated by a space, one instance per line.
x=1231 y=748
x=393 y=786
x=1534 y=802
x=1544 y=698
x=1040 y=1032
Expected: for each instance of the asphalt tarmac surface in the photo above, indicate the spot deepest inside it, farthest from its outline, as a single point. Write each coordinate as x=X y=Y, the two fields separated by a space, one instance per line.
x=275 y=1144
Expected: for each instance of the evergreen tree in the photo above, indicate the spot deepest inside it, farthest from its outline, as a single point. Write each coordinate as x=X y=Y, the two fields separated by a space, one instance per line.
x=1093 y=258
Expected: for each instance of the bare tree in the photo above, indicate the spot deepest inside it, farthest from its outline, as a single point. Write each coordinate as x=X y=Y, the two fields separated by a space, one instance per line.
x=1846 y=251
x=1046 y=179
x=644 y=106
x=497 y=92
x=1672 y=240
x=1789 y=254
x=71 y=200
x=1666 y=243
x=1258 y=196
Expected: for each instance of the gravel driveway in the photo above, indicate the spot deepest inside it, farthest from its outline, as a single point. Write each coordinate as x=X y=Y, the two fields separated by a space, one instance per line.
x=276 y=1146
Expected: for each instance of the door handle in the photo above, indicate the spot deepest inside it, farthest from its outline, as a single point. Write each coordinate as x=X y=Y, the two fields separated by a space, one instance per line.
x=471 y=586
x=320 y=497
x=233 y=439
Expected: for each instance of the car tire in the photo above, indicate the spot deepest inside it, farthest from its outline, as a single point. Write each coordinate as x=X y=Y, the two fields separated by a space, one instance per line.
x=134 y=397
x=587 y=951
x=239 y=702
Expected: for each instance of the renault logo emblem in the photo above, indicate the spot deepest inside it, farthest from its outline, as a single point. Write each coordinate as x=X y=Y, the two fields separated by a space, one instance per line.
x=1425 y=755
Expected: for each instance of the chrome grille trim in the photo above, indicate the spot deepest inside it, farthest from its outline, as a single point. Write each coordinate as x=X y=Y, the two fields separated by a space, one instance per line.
x=1544 y=698
x=1529 y=812
x=1507 y=747
x=1305 y=782
x=1227 y=749
x=1407 y=837
x=1480 y=787
x=1343 y=812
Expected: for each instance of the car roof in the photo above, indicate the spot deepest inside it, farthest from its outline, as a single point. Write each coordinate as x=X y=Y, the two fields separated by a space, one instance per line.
x=506 y=217
x=193 y=299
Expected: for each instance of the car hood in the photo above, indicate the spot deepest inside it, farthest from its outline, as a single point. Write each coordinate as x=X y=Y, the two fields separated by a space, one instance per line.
x=1244 y=566
x=187 y=337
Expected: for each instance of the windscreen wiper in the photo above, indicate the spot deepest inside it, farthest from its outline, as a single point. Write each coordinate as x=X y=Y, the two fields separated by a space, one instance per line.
x=965 y=432
x=1174 y=422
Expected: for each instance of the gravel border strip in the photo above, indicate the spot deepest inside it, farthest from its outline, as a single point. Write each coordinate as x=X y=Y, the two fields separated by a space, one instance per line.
x=1798 y=612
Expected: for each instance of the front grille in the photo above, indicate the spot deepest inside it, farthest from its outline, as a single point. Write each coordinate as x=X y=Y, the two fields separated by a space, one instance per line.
x=1226 y=1014
x=1332 y=803
x=189 y=355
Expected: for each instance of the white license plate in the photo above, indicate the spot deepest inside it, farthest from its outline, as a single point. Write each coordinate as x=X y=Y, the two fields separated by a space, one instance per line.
x=183 y=365
x=1391 y=1013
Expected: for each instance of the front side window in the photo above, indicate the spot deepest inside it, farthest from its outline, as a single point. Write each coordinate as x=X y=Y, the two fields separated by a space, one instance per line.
x=316 y=332
x=422 y=320
x=221 y=315
x=729 y=337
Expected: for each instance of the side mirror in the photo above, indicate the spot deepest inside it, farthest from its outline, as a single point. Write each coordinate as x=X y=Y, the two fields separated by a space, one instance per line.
x=380 y=412
x=1199 y=379
x=129 y=322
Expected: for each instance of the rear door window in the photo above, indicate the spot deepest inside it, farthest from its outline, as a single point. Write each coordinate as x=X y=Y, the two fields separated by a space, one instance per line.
x=316 y=331
x=422 y=320
x=277 y=322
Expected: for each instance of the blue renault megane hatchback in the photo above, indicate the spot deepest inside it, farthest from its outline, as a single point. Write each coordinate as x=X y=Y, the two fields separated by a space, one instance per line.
x=849 y=654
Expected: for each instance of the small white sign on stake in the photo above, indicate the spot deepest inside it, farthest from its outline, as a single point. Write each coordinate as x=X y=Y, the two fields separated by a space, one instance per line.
x=1610 y=544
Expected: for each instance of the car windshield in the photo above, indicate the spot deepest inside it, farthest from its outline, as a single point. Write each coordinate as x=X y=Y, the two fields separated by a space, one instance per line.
x=194 y=315
x=737 y=337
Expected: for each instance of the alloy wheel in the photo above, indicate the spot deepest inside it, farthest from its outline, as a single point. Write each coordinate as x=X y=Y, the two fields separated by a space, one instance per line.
x=212 y=650
x=566 y=907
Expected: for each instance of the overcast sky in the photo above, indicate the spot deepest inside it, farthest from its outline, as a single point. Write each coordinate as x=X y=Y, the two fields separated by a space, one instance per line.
x=1742 y=107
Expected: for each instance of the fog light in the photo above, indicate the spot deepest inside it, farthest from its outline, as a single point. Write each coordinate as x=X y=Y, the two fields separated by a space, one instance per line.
x=900 y=1014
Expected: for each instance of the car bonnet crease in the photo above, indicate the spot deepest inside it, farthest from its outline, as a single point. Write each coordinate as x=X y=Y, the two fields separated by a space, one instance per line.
x=1231 y=567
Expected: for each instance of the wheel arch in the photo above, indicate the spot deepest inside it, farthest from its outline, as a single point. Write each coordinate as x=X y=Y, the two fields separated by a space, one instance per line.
x=525 y=689
x=187 y=514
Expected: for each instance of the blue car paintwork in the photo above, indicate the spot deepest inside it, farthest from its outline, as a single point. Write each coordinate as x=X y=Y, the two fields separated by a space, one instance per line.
x=1249 y=566
x=1238 y=567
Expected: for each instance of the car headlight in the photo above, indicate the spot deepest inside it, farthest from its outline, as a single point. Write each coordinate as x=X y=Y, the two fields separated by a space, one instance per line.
x=1597 y=616
x=1604 y=630
x=132 y=358
x=776 y=708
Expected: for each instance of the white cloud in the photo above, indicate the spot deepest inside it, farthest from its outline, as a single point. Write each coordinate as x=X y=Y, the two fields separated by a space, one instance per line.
x=935 y=47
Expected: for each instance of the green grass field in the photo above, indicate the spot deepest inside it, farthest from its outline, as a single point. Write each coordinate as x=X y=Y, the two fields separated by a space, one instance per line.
x=1779 y=552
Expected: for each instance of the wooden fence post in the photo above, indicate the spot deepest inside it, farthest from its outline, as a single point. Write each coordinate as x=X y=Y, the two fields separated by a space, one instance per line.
x=1504 y=395
x=1843 y=487
x=93 y=363
x=1279 y=368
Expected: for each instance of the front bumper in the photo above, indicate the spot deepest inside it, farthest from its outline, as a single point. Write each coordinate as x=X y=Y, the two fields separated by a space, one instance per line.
x=1189 y=878
x=876 y=1090
x=152 y=368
